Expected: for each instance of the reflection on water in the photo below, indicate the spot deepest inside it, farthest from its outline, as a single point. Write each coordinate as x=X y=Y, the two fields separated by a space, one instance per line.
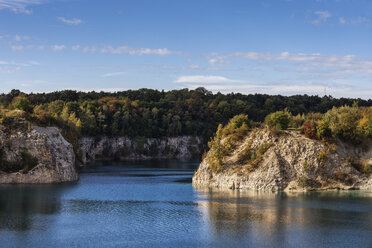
x=19 y=203
x=272 y=217
x=154 y=204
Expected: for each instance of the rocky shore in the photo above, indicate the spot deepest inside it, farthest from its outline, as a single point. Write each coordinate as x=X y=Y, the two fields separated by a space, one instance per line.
x=289 y=161
x=42 y=155
x=123 y=148
x=36 y=155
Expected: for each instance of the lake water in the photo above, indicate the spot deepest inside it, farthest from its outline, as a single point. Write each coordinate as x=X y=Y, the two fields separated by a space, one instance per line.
x=153 y=204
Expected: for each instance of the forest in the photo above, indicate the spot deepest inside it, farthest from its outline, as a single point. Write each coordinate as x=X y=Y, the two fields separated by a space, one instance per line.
x=155 y=113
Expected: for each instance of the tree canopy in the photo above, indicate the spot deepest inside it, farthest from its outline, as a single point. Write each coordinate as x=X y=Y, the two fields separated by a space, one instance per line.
x=154 y=113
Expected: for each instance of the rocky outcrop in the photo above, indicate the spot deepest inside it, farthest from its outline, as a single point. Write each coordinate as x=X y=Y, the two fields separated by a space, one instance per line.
x=288 y=161
x=36 y=155
x=123 y=148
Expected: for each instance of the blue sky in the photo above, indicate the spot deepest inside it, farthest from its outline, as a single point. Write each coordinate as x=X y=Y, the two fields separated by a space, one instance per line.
x=276 y=47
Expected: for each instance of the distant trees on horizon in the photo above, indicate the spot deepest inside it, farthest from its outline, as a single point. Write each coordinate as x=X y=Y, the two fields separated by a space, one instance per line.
x=154 y=113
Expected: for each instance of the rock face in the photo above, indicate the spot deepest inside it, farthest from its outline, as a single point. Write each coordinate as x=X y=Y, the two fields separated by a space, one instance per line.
x=291 y=162
x=122 y=148
x=41 y=155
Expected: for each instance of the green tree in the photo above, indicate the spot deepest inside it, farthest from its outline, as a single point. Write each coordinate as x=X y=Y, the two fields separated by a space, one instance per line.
x=21 y=103
x=279 y=119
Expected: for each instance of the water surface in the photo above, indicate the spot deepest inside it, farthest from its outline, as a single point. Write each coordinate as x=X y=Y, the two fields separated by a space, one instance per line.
x=153 y=204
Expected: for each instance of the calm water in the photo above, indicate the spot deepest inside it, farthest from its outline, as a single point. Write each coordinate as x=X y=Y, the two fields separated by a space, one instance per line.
x=153 y=204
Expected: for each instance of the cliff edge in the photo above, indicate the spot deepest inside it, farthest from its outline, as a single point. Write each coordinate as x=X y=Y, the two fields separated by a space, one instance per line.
x=123 y=148
x=35 y=155
x=284 y=160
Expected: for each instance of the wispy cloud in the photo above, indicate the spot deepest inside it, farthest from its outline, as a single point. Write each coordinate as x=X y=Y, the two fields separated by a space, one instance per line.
x=204 y=79
x=18 y=6
x=322 y=17
x=218 y=61
x=58 y=47
x=283 y=89
x=12 y=38
x=113 y=74
x=8 y=67
x=73 y=21
x=12 y=63
x=360 y=20
x=136 y=51
x=349 y=64
x=8 y=70
x=85 y=49
x=106 y=49
x=113 y=90
x=21 y=48
x=363 y=20
x=20 y=37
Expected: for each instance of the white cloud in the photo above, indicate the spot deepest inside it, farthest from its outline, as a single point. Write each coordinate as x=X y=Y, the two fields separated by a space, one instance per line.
x=136 y=51
x=58 y=47
x=274 y=89
x=342 y=20
x=218 y=61
x=204 y=79
x=20 y=37
x=322 y=17
x=12 y=63
x=8 y=70
x=363 y=20
x=86 y=49
x=11 y=66
x=20 y=48
x=348 y=64
x=18 y=6
x=122 y=50
x=113 y=74
x=17 y=48
x=113 y=90
x=14 y=38
x=73 y=21
x=75 y=47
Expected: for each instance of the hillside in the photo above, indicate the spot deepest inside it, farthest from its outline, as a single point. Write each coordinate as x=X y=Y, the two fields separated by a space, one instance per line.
x=34 y=154
x=332 y=152
x=287 y=161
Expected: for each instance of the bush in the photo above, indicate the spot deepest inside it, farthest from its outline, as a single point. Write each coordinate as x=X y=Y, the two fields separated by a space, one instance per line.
x=238 y=125
x=343 y=123
x=309 y=129
x=22 y=103
x=297 y=121
x=306 y=166
x=323 y=131
x=263 y=148
x=252 y=157
x=306 y=182
x=365 y=167
x=322 y=156
x=279 y=119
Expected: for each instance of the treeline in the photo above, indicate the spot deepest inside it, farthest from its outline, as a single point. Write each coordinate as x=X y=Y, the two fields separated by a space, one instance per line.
x=154 y=113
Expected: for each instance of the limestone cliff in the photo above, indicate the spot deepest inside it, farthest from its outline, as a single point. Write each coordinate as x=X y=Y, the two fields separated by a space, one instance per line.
x=36 y=155
x=265 y=160
x=123 y=148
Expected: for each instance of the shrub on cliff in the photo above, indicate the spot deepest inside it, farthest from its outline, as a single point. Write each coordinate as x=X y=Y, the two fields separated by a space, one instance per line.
x=309 y=129
x=351 y=124
x=238 y=126
x=279 y=119
x=219 y=147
